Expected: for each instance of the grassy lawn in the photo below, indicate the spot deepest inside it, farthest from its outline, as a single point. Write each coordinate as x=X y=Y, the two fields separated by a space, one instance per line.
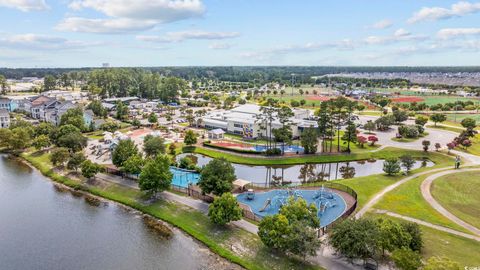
x=438 y=243
x=389 y=152
x=459 y=194
x=459 y=117
x=407 y=200
x=371 y=113
x=409 y=139
x=453 y=129
x=433 y=100
x=230 y=242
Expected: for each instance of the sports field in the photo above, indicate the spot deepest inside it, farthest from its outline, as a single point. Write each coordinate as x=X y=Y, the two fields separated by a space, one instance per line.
x=432 y=100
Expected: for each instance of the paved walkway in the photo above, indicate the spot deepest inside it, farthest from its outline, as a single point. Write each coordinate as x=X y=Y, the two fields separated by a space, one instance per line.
x=427 y=224
x=426 y=193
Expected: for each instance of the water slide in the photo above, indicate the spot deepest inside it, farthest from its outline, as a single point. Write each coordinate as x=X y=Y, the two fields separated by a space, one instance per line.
x=267 y=204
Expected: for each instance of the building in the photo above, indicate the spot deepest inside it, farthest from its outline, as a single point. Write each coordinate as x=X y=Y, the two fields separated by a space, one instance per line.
x=243 y=120
x=8 y=104
x=4 y=118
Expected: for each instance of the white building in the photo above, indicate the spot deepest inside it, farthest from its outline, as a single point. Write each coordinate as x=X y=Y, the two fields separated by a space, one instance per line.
x=243 y=120
x=4 y=119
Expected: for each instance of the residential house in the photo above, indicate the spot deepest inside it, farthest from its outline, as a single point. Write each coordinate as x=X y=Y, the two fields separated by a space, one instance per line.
x=4 y=118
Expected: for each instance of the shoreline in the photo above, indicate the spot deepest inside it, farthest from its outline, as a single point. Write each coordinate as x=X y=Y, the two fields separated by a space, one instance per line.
x=135 y=209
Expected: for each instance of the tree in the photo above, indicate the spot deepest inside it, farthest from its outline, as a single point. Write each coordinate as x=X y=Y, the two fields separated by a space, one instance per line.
x=355 y=238
x=441 y=263
x=136 y=123
x=370 y=126
x=121 y=111
x=172 y=148
x=400 y=116
x=384 y=122
x=451 y=145
x=421 y=120
x=97 y=108
x=20 y=138
x=44 y=128
x=59 y=156
x=3 y=85
x=372 y=140
x=406 y=259
x=49 y=83
x=292 y=229
x=133 y=165
x=124 y=150
x=392 y=235
x=152 y=118
x=407 y=162
x=426 y=144
x=350 y=135
x=153 y=145
x=74 y=117
x=391 y=166
x=309 y=140
x=61 y=131
x=437 y=146
x=217 y=177
x=156 y=175
x=224 y=209
x=438 y=118
x=5 y=136
x=361 y=140
x=466 y=143
x=469 y=123
x=41 y=141
x=190 y=138
x=74 y=141
x=75 y=161
x=90 y=169
x=415 y=232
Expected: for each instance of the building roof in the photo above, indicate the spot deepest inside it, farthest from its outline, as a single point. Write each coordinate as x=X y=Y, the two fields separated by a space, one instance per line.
x=217 y=131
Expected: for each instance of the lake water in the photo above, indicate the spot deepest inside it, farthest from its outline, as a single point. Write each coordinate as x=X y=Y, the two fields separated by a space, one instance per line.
x=42 y=228
x=268 y=175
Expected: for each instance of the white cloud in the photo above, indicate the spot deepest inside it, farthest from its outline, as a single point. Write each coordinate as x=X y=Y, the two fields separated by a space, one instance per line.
x=220 y=46
x=400 y=35
x=448 y=33
x=42 y=42
x=184 y=35
x=103 y=26
x=131 y=15
x=439 y=13
x=383 y=24
x=25 y=5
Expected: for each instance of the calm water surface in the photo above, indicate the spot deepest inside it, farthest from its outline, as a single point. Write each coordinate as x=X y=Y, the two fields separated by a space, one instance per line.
x=268 y=175
x=41 y=228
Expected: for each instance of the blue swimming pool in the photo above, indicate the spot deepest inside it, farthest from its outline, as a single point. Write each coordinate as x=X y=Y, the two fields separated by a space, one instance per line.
x=286 y=148
x=182 y=177
x=330 y=205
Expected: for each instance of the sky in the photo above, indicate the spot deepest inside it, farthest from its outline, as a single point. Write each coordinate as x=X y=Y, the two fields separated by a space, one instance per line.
x=87 y=33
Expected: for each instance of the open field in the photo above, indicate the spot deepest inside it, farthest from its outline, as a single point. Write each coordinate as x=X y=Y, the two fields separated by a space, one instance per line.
x=459 y=194
x=438 y=243
x=431 y=100
x=407 y=200
x=459 y=117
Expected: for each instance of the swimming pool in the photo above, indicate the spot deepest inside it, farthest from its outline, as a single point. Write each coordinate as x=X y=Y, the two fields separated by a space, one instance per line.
x=285 y=148
x=333 y=204
x=182 y=177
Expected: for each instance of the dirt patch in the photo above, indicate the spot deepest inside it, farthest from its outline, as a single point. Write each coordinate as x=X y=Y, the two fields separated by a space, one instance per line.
x=407 y=99
x=317 y=98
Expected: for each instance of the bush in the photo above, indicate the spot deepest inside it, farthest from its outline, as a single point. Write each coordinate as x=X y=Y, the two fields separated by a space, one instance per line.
x=408 y=131
x=224 y=209
x=273 y=152
x=391 y=166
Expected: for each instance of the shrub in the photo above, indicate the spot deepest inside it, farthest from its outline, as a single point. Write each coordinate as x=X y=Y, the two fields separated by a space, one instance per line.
x=224 y=209
x=273 y=152
x=391 y=166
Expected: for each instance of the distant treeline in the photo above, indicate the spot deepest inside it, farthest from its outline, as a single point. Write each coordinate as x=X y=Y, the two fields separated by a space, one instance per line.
x=303 y=74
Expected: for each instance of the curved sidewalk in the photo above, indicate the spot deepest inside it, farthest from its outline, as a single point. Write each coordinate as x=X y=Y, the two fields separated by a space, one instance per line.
x=425 y=189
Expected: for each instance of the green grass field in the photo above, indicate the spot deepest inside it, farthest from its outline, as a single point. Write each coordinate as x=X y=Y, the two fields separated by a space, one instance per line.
x=459 y=117
x=407 y=200
x=460 y=194
x=432 y=100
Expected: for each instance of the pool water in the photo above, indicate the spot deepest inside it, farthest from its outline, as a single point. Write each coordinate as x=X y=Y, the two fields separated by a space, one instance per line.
x=335 y=206
x=182 y=177
x=285 y=148
x=267 y=176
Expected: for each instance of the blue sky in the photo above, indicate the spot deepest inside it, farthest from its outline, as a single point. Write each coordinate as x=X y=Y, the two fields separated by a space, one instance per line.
x=79 y=33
